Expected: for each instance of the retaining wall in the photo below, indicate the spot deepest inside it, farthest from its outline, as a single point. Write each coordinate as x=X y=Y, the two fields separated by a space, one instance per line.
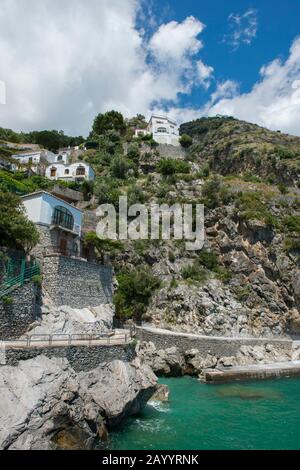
x=81 y=358
x=219 y=347
x=19 y=311
x=76 y=282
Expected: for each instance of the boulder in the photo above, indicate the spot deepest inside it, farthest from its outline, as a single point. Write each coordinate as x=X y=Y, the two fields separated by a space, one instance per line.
x=46 y=405
x=161 y=394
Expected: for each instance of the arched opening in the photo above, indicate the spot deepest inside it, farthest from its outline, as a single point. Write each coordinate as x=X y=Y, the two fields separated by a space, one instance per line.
x=63 y=217
x=67 y=172
x=59 y=158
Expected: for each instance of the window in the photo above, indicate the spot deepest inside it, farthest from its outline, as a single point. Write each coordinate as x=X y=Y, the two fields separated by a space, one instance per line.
x=162 y=130
x=53 y=172
x=59 y=158
x=63 y=217
x=80 y=171
x=67 y=172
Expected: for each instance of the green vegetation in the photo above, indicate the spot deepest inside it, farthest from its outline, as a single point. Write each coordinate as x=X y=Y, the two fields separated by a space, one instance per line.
x=51 y=140
x=253 y=206
x=168 y=166
x=135 y=288
x=215 y=193
x=186 y=141
x=206 y=263
x=16 y=231
x=110 y=121
x=102 y=246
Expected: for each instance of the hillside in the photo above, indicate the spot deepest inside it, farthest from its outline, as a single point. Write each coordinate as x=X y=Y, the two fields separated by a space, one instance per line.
x=230 y=146
x=246 y=280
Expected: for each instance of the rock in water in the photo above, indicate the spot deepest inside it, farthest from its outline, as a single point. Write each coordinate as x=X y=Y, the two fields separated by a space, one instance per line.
x=119 y=388
x=162 y=393
x=46 y=405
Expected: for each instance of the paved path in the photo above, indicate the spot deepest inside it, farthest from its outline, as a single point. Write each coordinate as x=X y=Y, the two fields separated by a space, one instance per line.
x=45 y=341
x=161 y=331
x=251 y=372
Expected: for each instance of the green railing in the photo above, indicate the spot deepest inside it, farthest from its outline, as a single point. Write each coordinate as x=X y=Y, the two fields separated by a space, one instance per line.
x=25 y=273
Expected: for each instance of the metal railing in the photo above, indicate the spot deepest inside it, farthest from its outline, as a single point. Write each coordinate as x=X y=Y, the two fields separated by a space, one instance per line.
x=25 y=273
x=47 y=340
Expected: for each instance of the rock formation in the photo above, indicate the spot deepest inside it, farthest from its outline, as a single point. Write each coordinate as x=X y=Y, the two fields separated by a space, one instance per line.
x=46 y=405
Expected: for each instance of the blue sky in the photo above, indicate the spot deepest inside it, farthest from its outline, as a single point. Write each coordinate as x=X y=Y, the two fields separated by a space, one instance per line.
x=185 y=58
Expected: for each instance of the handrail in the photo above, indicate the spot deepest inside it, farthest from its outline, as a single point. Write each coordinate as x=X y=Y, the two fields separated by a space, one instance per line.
x=26 y=273
x=110 y=338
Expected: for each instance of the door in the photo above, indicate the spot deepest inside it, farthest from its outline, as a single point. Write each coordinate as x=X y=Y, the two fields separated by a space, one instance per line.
x=63 y=246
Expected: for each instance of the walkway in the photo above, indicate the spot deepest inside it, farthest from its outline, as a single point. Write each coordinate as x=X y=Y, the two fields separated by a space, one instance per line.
x=115 y=338
x=251 y=372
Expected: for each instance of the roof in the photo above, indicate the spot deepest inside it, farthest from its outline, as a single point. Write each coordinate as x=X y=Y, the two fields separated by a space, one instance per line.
x=36 y=193
x=23 y=154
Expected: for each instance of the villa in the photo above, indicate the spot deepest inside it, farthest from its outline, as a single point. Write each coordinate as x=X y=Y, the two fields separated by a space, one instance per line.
x=163 y=129
x=77 y=172
x=59 y=223
x=38 y=160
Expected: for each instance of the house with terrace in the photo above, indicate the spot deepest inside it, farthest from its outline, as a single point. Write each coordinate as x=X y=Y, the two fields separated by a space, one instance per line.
x=77 y=172
x=58 y=222
x=163 y=130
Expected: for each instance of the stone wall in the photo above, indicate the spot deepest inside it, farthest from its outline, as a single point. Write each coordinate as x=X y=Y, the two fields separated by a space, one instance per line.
x=219 y=347
x=81 y=358
x=76 y=282
x=17 y=315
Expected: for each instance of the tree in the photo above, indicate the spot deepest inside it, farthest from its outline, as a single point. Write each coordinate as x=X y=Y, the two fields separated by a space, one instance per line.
x=110 y=121
x=119 y=167
x=135 y=289
x=185 y=141
x=16 y=231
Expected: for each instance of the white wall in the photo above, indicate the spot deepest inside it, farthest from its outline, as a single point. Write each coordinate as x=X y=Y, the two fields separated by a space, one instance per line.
x=61 y=171
x=40 y=207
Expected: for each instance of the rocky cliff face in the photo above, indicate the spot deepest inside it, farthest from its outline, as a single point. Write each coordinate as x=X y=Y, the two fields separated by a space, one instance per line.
x=46 y=405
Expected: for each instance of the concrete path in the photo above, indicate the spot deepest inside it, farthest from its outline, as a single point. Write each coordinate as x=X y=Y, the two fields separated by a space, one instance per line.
x=251 y=372
x=42 y=341
x=153 y=329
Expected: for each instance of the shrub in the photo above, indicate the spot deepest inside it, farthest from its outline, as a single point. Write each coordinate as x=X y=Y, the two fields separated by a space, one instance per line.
x=215 y=193
x=168 y=166
x=292 y=223
x=134 y=292
x=253 y=206
x=7 y=300
x=194 y=272
x=133 y=153
x=135 y=195
x=119 y=167
x=185 y=141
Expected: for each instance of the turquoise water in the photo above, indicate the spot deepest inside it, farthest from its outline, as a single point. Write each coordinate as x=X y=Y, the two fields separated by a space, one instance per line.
x=253 y=415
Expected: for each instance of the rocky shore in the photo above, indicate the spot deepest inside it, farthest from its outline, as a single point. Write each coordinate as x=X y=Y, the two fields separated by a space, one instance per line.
x=46 y=405
x=171 y=362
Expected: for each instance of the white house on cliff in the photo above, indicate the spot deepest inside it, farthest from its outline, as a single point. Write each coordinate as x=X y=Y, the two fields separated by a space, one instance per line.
x=163 y=129
x=78 y=172
x=59 y=223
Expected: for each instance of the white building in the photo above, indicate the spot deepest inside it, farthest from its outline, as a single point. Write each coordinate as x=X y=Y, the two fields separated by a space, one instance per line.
x=59 y=223
x=78 y=172
x=37 y=160
x=163 y=129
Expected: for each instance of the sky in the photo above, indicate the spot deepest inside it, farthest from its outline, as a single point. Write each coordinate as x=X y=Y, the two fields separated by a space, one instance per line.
x=64 y=61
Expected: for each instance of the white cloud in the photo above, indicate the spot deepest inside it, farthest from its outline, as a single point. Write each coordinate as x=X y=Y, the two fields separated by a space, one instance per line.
x=66 y=61
x=243 y=28
x=273 y=102
x=176 y=41
x=205 y=73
